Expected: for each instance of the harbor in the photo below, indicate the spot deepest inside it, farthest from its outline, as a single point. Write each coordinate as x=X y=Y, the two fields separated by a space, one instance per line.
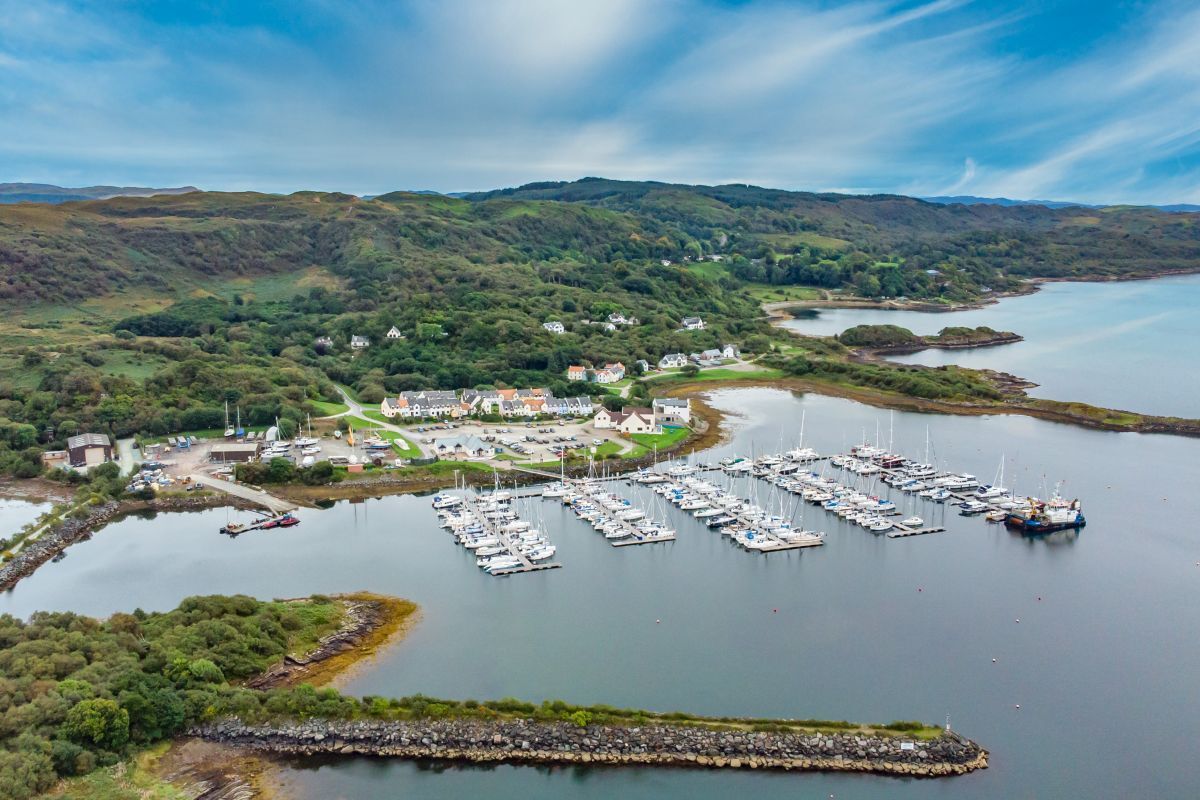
x=488 y=526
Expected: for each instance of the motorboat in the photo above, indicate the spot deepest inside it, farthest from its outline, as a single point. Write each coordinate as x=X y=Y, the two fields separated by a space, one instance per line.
x=912 y=522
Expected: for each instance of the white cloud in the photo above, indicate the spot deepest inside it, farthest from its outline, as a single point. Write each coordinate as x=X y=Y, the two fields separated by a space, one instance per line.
x=370 y=96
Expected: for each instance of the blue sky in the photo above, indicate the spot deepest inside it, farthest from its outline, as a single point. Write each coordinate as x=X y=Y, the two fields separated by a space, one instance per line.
x=1090 y=101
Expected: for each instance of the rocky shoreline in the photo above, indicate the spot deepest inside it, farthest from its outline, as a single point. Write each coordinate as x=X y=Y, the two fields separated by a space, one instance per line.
x=933 y=343
x=531 y=742
x=72 y=530
x=364 y=616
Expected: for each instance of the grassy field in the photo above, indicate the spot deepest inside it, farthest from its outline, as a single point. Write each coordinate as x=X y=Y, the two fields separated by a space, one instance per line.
x=791 y=241
x=328 y=409
x=713 y=270
x=767 y=293
x=377 y=416
x=316 y=619
x=131 y=364
x=646 y=442
x=128 y=780
x=719 y=374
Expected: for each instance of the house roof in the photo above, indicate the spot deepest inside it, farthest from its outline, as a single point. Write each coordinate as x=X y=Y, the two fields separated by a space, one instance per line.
x=671 y=402
x=88 y=440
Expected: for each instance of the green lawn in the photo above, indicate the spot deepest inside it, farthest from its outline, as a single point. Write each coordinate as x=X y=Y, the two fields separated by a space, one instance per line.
x=328 y=409
x=646 y=442
x=719 y=374
x=371 y=413
x=768 y=293
x=713 y=270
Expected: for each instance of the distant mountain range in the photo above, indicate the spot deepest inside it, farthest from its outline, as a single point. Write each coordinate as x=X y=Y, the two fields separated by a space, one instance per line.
x=49 y=193
x=971 y=200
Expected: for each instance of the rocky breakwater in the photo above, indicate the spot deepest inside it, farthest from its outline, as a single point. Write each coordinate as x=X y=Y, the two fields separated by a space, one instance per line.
x=529 y=741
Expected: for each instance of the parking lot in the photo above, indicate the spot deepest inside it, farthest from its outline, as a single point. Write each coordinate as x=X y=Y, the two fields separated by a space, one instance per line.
x=533 y=441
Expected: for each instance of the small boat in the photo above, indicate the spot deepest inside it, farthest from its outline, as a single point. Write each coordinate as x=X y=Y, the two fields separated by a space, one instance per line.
x=288 y=522
x=972 y=507
x=912 y=522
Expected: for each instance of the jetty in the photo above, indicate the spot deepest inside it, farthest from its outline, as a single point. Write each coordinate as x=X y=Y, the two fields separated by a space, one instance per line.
x=483 y=513
x=604 y=511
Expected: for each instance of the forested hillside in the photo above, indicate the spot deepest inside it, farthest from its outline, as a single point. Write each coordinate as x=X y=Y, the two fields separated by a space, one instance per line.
x=148 y=314
x=885 y=245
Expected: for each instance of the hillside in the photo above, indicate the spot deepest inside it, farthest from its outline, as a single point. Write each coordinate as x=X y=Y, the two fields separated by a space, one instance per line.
x=885 y=245
x=148 y=314
x=48 y=193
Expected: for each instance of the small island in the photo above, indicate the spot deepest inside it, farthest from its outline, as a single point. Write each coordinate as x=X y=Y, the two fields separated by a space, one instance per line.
x=895 y=339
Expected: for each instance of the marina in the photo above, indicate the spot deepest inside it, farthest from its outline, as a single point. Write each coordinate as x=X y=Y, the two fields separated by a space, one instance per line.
x=502 y=542
x=716 y=606
x=622 y=523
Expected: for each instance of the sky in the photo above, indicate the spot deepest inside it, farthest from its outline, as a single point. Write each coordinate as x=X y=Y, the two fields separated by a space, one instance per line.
x=1095 y=101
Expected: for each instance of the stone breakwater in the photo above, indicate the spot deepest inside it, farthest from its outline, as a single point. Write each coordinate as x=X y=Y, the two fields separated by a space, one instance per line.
x=529 y=741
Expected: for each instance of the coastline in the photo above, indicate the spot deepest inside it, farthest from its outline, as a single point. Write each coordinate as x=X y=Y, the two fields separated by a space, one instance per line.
x=373 y=623
x=1051 y=410
x=775 y=310
x=71 y=530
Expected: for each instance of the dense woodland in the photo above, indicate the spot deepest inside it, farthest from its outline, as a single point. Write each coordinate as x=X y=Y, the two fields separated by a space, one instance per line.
x=77 y=693
x=239 y=287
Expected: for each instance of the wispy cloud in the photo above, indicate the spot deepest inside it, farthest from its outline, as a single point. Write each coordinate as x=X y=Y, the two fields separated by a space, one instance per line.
x=366 y=95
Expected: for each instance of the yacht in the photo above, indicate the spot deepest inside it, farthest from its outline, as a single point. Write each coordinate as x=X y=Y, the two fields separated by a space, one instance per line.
x=446 y=501
x=912 y=522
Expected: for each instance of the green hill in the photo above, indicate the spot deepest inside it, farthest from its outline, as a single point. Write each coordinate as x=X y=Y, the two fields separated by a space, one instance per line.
x=148 y=314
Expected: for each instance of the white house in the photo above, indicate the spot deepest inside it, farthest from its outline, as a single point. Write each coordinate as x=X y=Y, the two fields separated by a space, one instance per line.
x=730 y=351
x=359 y=342
x=672 y=411
x=554 y=326
x=672 y=360
x=610 y=374
x=395 y=333
x=693 y=324
x=576 y=372
x=466 y=448
x=627 y=420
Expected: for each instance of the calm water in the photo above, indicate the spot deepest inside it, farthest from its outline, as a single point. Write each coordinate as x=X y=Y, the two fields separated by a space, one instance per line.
x=1103 y=665
x=16 y=514
x=1120 y=345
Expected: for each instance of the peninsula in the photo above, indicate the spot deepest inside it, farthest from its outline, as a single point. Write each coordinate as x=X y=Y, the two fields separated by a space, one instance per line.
x=160 y=676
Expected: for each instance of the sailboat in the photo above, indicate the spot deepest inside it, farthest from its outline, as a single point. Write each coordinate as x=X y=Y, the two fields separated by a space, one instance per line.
x=240 y=432
x=229 y=432
x=309 y=440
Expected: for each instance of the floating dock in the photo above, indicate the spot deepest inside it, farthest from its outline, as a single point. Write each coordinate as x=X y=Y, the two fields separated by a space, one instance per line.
x=507 y=541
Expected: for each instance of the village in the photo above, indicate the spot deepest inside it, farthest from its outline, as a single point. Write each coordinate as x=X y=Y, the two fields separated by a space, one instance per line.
x=500 y=428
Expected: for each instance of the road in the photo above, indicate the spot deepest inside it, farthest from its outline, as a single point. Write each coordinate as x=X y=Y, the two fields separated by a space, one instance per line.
x=356 y=410
x=128 y=456
x=256 y=496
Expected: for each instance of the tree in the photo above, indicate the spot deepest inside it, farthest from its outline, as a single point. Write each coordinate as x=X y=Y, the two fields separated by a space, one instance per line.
x=689 y=370
x=99 y=722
